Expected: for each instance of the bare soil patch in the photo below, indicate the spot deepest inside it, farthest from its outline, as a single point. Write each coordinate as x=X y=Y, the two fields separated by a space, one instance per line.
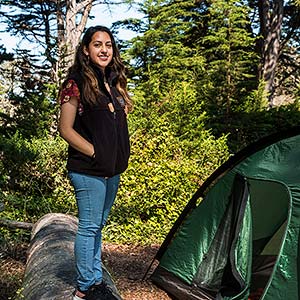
x=128 y=265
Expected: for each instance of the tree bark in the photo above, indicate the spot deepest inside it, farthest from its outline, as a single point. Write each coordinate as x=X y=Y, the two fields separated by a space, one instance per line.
x=15 y=224
x=50 y=268
x=70 y=28
x=271 y=16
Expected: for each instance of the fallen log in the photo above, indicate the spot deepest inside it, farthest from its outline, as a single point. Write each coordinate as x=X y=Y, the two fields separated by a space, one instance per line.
x=50 y=269
x=15 y=224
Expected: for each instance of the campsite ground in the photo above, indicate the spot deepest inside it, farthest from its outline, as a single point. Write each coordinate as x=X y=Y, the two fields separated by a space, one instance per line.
x=126 y=263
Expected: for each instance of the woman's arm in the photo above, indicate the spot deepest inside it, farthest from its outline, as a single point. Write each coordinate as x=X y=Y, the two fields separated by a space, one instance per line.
x=66 y=122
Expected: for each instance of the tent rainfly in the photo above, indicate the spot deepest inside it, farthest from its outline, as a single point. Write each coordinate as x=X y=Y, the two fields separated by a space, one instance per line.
x=238 y=237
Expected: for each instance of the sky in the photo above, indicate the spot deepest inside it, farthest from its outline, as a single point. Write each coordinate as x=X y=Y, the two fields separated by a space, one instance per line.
x=102 y=16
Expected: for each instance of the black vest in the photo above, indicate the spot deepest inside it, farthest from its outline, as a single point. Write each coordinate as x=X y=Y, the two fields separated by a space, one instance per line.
x=106 y=130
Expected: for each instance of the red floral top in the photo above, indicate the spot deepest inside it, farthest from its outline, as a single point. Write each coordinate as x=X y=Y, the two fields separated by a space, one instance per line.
x=71 y=90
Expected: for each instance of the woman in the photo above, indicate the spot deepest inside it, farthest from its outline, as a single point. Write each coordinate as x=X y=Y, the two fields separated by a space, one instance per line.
x=94 y=104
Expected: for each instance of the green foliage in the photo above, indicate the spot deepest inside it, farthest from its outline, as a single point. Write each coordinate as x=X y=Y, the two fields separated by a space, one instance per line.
x=31 y=98
x=161 y=51
x=34 y=116
x=33 y=178
x=297 y=2
x=164 y=172
x=255 y=101
x=231 y=58
x=166 y=69
x=257 y=124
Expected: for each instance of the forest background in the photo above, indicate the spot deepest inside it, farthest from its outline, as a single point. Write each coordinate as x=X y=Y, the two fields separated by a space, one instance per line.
x=207 y=79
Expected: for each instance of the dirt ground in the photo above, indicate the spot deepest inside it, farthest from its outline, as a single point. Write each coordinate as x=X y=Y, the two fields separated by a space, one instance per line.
x=126 y=263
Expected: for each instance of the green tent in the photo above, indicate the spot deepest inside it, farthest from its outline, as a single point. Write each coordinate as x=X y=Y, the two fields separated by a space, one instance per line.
x=239 y=234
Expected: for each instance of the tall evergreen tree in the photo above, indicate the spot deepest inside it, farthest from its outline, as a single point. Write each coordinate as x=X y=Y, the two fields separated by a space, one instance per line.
x=230 y=58
x=31 y=98
x=165 y=64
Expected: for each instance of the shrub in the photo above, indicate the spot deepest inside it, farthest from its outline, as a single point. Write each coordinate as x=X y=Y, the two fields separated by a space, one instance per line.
x=163 y=173
x=160 y=180
x=33 y=178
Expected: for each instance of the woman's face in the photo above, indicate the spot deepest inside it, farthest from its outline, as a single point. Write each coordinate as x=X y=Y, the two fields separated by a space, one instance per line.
x=100 y=49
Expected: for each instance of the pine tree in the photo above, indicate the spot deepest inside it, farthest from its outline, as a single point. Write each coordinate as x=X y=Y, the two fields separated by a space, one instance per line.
x=29 y=97
x=230 y=58
x=166 y=64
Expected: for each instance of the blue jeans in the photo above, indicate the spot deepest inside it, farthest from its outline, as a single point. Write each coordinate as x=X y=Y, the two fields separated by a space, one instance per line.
x=95 y=197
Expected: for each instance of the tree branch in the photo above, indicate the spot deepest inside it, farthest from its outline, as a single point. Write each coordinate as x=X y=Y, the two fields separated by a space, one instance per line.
x=85 y=16
x=15 y=224
x=83 y=4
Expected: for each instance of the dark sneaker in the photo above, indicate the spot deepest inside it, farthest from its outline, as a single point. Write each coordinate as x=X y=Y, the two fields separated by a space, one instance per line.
x=88 y=295
x=103 y=292
x=76 y=297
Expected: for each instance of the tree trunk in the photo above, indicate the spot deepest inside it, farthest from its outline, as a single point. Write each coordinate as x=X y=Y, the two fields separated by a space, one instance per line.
x=271 y=16
x=50 y=268
x=70 y=28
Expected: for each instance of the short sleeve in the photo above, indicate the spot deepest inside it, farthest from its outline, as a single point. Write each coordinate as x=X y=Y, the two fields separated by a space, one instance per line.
x=70 y=90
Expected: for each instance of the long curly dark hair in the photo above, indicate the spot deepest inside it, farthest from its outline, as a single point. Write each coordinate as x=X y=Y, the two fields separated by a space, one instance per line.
x=83 y=66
